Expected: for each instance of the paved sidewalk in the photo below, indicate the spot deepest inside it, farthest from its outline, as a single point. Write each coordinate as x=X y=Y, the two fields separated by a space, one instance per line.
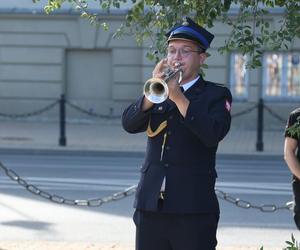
x=108 y=135
x=29 y=223
x=46 y=245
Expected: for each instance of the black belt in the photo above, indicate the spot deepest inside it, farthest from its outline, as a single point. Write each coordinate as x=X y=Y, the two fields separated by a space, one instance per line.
x=162 y=195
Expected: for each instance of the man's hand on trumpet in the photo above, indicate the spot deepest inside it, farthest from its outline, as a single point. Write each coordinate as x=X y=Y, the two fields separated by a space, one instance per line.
x=161 y=71
x=175 y=94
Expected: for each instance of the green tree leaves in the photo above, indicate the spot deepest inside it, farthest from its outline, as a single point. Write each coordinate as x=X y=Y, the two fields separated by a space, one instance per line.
x=250 y=21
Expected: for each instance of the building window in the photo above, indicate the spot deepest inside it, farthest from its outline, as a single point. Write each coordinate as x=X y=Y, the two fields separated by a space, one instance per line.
x=238 y=76
x=293 y=75
x=281 y=75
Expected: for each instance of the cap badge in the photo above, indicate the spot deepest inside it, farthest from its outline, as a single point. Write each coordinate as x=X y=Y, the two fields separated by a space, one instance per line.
x=185 y=22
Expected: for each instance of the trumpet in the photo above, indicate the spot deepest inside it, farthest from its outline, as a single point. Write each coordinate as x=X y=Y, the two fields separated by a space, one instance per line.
x=156 y=90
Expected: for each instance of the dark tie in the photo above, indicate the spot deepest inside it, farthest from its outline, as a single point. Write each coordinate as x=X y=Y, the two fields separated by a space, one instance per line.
x=182 y=89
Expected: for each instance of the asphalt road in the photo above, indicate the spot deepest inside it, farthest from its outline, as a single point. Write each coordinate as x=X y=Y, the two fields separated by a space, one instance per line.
x=262 y=180
x=258 y=181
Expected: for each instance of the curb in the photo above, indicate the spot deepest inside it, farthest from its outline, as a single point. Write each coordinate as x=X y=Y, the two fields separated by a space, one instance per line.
x=118 y=153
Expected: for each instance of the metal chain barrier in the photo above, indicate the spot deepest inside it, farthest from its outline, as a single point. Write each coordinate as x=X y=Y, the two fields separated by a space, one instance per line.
x=246 y=204
x=127 y=192
x=33 y=113
x=275 y=115
x=244 y=111
x=61 y=200
x=76 y=107
x=82 y=110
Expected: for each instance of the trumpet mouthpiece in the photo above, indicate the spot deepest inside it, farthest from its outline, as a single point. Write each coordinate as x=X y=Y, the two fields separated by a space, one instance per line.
x=177 y=64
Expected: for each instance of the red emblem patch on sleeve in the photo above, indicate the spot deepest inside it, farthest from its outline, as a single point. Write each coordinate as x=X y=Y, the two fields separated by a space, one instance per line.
x=227 y=105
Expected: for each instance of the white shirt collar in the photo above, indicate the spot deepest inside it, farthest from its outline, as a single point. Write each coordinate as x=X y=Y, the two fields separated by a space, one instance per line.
x=187 y=85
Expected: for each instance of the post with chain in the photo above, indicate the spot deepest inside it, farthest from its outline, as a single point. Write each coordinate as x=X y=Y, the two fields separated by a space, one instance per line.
x=260 y=125
x=62 y=121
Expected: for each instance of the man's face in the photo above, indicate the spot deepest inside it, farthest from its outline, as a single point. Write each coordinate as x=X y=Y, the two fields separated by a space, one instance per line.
x=187 y=54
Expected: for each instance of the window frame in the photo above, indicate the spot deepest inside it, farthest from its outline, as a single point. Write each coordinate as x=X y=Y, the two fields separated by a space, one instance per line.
x=232 y=83
x=284 y=77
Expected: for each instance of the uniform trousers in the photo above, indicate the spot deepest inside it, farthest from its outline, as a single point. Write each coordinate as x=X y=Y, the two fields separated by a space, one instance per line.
x=169 y=231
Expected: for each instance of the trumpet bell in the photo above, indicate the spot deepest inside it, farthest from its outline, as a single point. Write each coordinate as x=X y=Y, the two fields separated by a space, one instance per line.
x=156 y=90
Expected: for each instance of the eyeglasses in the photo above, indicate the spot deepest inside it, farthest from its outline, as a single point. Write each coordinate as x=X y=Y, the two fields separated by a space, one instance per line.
x=184 y=52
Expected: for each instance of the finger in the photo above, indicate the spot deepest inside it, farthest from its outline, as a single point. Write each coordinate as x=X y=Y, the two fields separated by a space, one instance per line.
x=162 y=64
x=158 y=70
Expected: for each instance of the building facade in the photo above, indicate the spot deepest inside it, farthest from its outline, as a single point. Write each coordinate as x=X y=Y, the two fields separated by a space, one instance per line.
x=44 y=56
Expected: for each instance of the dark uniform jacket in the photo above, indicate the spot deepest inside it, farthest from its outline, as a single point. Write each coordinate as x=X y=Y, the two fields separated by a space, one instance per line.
x=189 y=154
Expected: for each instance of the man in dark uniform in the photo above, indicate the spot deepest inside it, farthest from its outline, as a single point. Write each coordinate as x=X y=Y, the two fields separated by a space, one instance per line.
x=176 y=205
x=292 y=158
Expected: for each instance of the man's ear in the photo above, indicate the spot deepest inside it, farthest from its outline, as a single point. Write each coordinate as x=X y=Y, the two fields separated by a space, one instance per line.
x=202 y=57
